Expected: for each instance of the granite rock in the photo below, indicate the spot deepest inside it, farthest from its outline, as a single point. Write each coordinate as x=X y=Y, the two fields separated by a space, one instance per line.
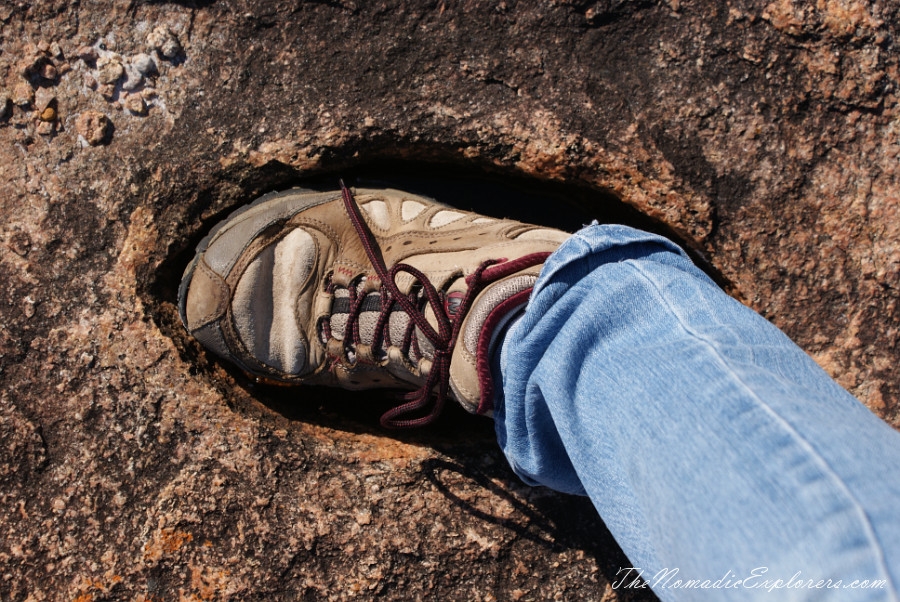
x=763 y=137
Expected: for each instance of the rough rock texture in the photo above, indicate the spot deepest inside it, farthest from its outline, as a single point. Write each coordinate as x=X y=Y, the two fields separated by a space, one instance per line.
x=764 y=136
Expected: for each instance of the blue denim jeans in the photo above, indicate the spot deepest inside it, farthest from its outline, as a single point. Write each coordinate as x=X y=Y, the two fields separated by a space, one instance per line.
x=724 y=461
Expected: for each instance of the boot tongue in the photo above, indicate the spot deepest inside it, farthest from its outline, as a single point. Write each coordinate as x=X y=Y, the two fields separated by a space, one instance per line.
x=398 y=320
x=453 y=298
x=370 y=312
x=453 y=301
x=368 y=317
x=456 y=292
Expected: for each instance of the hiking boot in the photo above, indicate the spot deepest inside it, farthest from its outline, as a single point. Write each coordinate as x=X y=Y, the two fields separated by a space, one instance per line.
x=380 y=288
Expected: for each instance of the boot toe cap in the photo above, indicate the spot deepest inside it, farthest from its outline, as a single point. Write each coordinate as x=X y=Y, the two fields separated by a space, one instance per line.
x=203 y=297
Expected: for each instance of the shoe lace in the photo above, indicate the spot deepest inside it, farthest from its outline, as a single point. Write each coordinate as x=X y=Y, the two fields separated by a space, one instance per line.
x=414 y=304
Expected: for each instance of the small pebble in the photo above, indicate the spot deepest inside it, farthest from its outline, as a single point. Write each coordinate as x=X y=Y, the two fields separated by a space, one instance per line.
x=23 y=94
x=88 y=54
x=55 y=50
x=43 y=98
x=89 y=81
x=46 y=128
x=144 y=63
x=93 y=126
x=107 y=91
x=48 y=114
x=133 y=78
x=135 y=104
x=48 y=71
x=111 y=72
x=4 y=106
x=164 y=41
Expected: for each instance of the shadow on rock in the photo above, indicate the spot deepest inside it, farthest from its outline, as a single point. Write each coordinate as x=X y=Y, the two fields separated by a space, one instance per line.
x=552 y=520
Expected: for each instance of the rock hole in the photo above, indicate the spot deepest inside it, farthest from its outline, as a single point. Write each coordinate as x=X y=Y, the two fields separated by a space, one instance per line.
x=555 y=205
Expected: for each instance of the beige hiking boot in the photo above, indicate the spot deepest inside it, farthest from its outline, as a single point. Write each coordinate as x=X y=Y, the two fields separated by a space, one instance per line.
x=377 y=288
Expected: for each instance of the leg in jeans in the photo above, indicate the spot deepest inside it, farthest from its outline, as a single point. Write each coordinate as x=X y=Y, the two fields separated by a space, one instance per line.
x=707 y=440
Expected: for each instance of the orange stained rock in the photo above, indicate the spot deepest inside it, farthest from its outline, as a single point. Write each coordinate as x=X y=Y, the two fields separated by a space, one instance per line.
x=166 y=541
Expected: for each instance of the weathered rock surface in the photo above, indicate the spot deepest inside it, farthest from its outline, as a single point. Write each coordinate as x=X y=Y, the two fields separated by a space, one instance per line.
x=763 y=135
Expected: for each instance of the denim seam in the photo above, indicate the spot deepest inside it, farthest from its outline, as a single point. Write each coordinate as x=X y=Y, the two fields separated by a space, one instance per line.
x=823 y=463
x=564 y=258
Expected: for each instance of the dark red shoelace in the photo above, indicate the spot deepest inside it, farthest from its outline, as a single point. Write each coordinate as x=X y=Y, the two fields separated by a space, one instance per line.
x=443 y=338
